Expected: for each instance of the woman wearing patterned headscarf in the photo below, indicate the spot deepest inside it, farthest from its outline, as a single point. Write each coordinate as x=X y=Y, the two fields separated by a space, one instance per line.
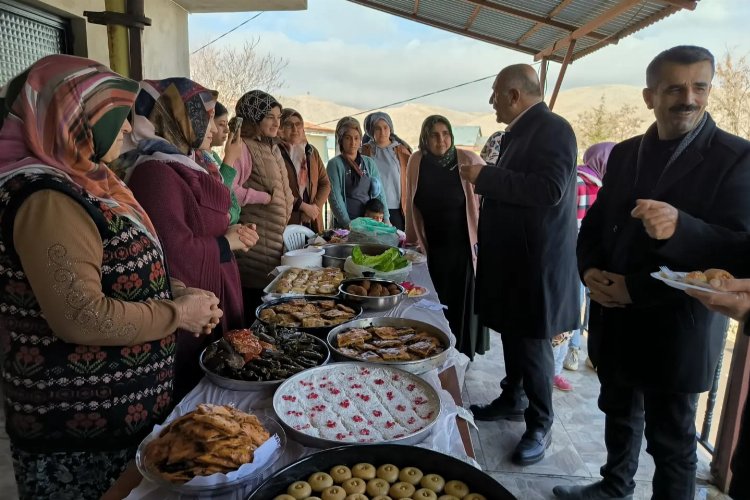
x=442 y=215
x=262 y=187
x=84 y=296
x=391 y=155
x=355 y=179
x=186 y=199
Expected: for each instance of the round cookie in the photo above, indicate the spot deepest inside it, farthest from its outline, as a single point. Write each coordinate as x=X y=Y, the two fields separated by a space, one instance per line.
x=364 y=471
x=319 y=481
x=456 y=488
x=354 y=485
x=299 y=490
x=284 y=497
x=389 y=472
x=357 y=496
x=474 y=496
x=448 y=497
x=424 y=494
x=433 y=482
x=382 y=497
x=401 y=490
x=410 y=475
x=340 y=473
x=333 y=493
x=313 y=498
x=378 y=486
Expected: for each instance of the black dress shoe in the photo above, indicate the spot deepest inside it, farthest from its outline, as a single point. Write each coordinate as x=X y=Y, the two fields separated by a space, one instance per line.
x=530 y=449
x=499 y=409
x=594 y=491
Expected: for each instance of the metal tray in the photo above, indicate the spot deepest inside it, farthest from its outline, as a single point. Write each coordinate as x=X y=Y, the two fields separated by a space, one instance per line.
x=244 y=484
x=416 y=366
x=429 y=461
x=318 y=331
x=268 y=290
x=336 y=253
x=371 y=303
x=254 y=386
x=315 y=442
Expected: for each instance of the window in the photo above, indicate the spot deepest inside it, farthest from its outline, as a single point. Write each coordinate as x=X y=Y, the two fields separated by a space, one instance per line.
x=27 y=34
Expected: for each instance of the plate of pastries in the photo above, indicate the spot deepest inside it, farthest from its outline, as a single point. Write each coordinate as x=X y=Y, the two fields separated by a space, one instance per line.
x=696 y=280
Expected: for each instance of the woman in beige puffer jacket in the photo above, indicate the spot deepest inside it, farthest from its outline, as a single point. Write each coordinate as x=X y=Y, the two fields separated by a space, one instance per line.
x=262 y=188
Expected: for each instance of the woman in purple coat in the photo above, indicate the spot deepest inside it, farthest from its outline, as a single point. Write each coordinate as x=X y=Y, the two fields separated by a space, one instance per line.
x=187 y=202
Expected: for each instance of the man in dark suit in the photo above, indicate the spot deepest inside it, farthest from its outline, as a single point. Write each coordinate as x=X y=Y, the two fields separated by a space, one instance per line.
x=527 y=283
x=670 y=197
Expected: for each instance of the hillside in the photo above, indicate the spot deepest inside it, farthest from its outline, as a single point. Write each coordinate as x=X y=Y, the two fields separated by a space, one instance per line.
x=408 y=118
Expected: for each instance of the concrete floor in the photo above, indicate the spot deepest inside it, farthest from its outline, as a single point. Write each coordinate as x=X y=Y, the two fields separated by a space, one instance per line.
x=575 y=456
x=577 y=449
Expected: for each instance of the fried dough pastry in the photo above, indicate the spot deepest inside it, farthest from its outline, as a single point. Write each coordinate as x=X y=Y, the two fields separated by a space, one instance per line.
x=208 y=440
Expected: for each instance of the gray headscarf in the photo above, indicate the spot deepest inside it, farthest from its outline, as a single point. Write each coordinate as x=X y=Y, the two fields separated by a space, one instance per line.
x=345 y=124
x=373 y=118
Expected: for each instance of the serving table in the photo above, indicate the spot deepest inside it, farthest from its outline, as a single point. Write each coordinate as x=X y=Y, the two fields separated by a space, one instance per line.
x=450 y=435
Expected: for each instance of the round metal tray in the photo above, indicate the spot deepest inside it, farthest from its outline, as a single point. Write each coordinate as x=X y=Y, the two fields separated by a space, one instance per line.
x=244 y=484
x=335 y=254
x=429 y=461
x=249 y=385
x=416 y=366
x=319 y=331
x=316 y=442
x=371 y=303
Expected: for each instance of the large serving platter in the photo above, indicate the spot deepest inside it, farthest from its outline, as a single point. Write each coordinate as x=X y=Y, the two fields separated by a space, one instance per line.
x=356 y=403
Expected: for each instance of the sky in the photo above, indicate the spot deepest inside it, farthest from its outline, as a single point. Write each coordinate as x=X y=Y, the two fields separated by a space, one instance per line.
x=353 y=55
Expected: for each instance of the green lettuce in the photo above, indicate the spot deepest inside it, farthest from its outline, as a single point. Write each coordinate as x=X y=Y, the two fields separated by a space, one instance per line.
x=390 y=260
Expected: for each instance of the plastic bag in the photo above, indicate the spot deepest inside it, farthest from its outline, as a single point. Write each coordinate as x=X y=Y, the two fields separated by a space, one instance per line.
x=366 y=230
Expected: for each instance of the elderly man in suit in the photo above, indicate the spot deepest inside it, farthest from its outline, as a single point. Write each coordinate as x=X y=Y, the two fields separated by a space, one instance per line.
x=527 y=283
x=674 y=196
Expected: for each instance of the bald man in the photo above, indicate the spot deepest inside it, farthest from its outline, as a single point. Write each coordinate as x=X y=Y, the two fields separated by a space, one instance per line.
x=527 y=281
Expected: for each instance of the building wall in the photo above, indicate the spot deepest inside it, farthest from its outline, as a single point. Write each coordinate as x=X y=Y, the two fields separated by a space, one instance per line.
x=165 y=42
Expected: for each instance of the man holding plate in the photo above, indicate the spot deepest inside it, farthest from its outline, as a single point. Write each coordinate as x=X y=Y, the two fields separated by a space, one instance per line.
x=675 y=196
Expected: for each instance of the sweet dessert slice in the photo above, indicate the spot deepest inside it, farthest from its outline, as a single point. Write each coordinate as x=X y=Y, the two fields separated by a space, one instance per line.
x=394 y=354
x=352 y=337
x=385 y=332
x=423 y=348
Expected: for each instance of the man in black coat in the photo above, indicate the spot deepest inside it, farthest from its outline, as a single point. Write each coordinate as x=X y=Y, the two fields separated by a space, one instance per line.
x=527 y=282
x=670 y=197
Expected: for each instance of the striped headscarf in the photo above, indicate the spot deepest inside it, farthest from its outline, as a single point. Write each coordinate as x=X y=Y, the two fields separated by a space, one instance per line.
x=61 y=116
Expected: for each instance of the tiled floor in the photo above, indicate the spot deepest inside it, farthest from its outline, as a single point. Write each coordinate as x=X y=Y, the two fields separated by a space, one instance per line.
x=577 y=449
x=575 y=456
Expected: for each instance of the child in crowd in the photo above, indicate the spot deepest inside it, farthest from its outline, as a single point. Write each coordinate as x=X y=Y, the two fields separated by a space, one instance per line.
x=375 y=210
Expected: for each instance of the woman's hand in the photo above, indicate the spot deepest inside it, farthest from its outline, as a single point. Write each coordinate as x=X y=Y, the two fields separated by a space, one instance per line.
x=232 y=149
x=311 y=211
x=199 y=312
x=735 y=304
x=241 y=237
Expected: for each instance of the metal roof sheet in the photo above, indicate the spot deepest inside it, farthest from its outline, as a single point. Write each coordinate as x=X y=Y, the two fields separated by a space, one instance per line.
x=543 y=28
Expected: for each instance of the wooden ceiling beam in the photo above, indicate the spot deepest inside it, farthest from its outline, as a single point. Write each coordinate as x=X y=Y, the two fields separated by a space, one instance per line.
x=416 y=7
x=472 y=17
x=627 y=31
x=533 y=17
x=586 y=29
x=551 y=14
x=448 y=27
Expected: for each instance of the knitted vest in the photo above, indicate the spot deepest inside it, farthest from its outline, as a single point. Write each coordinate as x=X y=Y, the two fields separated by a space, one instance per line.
x=67 y=397
x=268 y=175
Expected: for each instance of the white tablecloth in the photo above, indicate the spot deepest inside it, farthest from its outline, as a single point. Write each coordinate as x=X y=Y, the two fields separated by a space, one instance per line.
x=444 y=437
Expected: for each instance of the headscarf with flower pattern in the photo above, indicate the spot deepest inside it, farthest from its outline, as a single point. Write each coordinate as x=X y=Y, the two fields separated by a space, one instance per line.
x=61 y=116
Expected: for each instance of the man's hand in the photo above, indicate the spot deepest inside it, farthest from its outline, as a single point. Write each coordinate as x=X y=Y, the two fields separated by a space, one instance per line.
x=735 y=304
x=470 y=172
x=607 y=289
x=659 y=218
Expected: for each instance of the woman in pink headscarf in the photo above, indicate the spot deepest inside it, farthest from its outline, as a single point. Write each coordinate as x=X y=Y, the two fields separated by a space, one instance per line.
x=590 y=176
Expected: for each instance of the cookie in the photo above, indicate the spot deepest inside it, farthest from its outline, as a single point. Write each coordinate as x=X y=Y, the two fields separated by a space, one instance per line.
x=410 y=475
x=299 y=490
x=364 y=471
x=340 y=473
x=319 y=481
x=433 y=482
x=389 y=472
x=401 y=490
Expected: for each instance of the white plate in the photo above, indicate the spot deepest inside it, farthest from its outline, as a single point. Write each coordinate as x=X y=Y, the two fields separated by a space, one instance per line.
x=681 y=285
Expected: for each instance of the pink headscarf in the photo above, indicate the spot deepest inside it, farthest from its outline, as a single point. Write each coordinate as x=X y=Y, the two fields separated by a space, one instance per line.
x=595 y=160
